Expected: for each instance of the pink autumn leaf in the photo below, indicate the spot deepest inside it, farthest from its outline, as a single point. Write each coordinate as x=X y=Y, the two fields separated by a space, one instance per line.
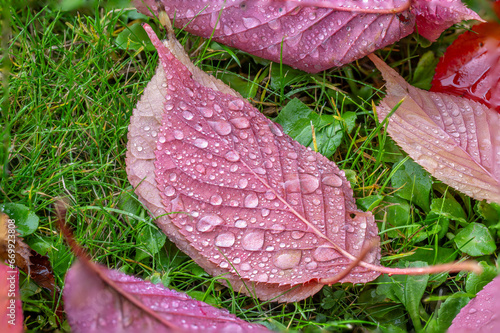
x=97 y=299
x=311 y=35
x=239 y=196
x=481 y=314
x=456 y=139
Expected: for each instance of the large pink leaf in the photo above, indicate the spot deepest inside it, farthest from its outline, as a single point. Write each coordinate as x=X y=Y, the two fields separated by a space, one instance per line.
x=311 y=35
x=97 y=299
x=456 y=139
x=255 y=205
x=481 y=314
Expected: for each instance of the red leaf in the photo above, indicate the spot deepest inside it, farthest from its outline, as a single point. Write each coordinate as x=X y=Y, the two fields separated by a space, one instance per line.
x=481 y=314
x=97 y=299
x=457 y=140
x=311 y=35
x=256 y=204
x=471 y=66
x=11 y=312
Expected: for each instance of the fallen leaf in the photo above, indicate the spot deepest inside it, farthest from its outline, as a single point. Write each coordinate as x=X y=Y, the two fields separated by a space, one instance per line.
x=470 y=66
x=239 y=196
x=310 y=35
x=97 y=299
x=17 y=253
x=247 y=192
x=456 y=139
x=11 y=312
x=481 y=314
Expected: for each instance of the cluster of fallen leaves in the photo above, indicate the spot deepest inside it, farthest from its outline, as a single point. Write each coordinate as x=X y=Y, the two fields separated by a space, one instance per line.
x=278 y=219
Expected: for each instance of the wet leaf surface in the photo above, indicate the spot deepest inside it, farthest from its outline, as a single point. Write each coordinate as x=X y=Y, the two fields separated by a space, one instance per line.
x=101 y=300
x=311 y=35
x=246 y=199
x=455 y=139
x=471 y=66
x=481 y=314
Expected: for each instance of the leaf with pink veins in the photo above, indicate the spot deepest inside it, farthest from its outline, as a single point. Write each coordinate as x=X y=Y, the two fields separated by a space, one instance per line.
x=245 y=200
x=311 y=35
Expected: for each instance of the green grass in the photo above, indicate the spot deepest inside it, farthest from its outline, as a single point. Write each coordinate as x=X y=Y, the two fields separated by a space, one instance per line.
x=71 y=94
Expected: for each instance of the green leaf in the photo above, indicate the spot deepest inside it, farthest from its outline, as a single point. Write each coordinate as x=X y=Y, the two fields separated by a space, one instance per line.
x=25 y=220
x=423 y=74
x=151 y=238
x=447 y=311
x=475 y=240
x=414 y=183
x=133 y=38
x=449 y=208
x=409 y=289
x=281 y=78
x=397 y=214
x=296 y=119
x=475 y=283
x=369 y=202
x=489 y=212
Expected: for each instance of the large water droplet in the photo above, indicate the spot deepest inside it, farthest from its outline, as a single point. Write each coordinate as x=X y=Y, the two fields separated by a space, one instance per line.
x=251 y=200
x=177 y=134
x=222 y=127
x=232 y=156
x=250 y=22
x=262 y=277
x=332 y=180
x=187 y=115
x=269 y=195
x=274 y=24
x=297 y=234
x=265 y=212
x=240 y=122
x=169 y=191
x=200 y=143
x=208 y=222
x=245 y=267
x=236 y=104
x=240 y=224
x=243 y=183
x=323 y=253
x=309 y=183
x=226 y=239
x=216 y=200
x=253 y=241
x=287 y=259
x=206 y=112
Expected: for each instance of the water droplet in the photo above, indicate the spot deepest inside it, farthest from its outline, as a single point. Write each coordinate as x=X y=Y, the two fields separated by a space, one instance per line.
x=250 y=22
x=177 y=134
x=240 y=224
x=251 y=200
x=222 y=127
x=236 y=104
x=323 y=253
x=200 y=168
x=312 y=265
x=316 y=201
x=262 y=277
x=200 y=143
x=253 y=241
x=269 y=195
x=274 y=24
x=245 y=267
x=332 y=180
x=297 y=234
x=243 y=183
x=206 y=112
x=187 y=115
x=162 y=139
x=287 y=259
x=240 y=122
x=232 y=156
x=277 y=228
x=209 y=222
x=265 y=212
x=292 y=156
x=309 y=183
x=226 y=239
x=172 y=177
x=169 y=191
x=216 y=200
